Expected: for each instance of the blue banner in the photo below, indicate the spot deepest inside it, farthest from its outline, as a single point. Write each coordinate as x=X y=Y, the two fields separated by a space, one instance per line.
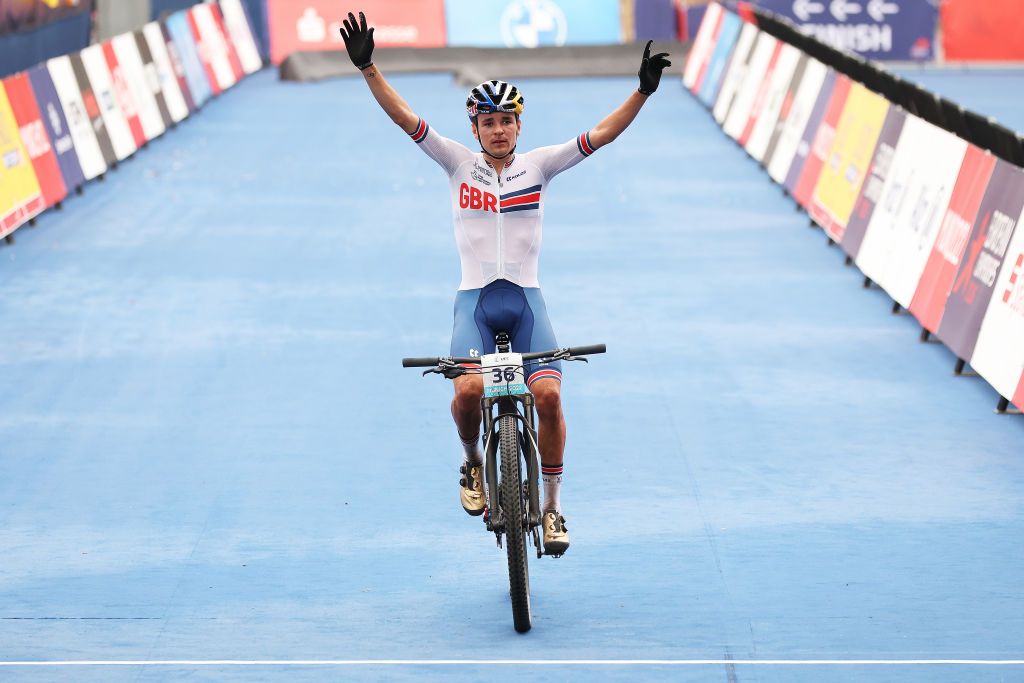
x=532 y=23
x=727 y=35
x=184 y=42
x=56 y=126
x=877 y=29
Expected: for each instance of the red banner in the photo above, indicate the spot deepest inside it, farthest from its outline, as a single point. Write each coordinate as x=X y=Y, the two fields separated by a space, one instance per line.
x=822 y=143
x=35 y=138
x=123 y=95
x=314 y=24
x=983 y=31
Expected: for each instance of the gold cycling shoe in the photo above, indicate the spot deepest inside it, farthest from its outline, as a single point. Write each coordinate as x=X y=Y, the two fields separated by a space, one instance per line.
x=556 y=536
x=472 y=491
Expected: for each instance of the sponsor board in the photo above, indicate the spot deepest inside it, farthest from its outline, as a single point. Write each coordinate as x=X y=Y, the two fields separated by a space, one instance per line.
x=982 y=31
x=213 y=49
x=93 y=109
x=874 y=183
x=847 y=161
x=123 y=95
x=134 y=73
x=703 y=46
x=914 y=200
x=151 y=78
x=983 y=255
x=711 y=80
x=35 y=138
x=316 y=24
x=183 y=44
x=877 y=29
x=776 y=89
x=532 y=23
x=176 y=62
x=999 y=353
x=20 y=196
x=168 y=82
x=801 y=106
x=204 y=53
x=818 y=139
x=739 y=62
x=80 y=125
x=122 y=137
x=929 y=300
x=236 y=64
x=56 y=126
x=761 y=59
x=238 y=28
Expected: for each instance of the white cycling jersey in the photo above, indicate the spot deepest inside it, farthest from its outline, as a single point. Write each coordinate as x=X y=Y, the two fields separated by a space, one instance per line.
x=498 y=219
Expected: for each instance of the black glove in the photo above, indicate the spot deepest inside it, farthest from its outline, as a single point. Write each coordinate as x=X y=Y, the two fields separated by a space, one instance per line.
x=650 y=70
x=358 y=41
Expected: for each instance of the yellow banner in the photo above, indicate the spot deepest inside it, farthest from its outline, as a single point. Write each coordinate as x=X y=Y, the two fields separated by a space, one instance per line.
x=849 y=159
x=20 y=196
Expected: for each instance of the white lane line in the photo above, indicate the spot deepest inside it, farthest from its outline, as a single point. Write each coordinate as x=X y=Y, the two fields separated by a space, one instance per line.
x=522 y=662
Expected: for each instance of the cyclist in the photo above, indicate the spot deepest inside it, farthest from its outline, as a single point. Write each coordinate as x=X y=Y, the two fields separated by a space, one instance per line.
x=498 y=205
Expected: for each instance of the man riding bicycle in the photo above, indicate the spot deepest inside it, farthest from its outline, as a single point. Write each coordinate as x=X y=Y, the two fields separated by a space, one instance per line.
x=498 y=207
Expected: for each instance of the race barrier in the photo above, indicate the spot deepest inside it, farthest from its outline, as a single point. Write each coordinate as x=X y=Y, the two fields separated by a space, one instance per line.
x=922 y=195
x=71 y=119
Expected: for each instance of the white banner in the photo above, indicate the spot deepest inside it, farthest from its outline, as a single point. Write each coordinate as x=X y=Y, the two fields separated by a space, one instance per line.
x=735 y=72
x=794 y=121
x=746 y=94
x=999 y=353
x=908 y=215
x=99 y=77
x=176 y=105
x=241 y=35
x=774 y=98
x=703 y=45
x=211 y=42
x=90 y=157
x=127 y=52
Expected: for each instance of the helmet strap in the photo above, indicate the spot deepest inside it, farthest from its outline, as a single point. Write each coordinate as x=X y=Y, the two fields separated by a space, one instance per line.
x=493 y=156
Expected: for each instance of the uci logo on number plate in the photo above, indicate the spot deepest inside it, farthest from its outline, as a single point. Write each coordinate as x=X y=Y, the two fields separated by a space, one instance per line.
x=503 y=374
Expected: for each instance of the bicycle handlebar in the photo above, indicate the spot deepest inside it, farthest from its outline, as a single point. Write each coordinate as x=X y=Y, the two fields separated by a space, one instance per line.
x=570 y=351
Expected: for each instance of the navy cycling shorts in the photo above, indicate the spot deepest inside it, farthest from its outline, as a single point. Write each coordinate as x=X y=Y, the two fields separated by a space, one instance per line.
x=504 y=306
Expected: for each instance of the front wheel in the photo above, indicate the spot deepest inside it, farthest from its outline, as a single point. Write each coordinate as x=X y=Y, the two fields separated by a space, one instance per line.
x=512 y=505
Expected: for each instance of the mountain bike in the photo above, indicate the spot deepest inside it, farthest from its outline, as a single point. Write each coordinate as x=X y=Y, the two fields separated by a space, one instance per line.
x=510 y=440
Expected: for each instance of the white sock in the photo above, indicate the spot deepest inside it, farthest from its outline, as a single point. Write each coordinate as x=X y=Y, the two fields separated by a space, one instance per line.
x=551 y=475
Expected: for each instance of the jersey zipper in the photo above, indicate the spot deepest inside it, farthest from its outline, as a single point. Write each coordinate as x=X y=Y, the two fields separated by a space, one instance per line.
x=501 y=240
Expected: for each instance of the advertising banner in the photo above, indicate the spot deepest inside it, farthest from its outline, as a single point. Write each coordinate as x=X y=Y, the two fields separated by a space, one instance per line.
x=134 y=74
x=735 y=72
x=982 y=31
x=711 y=81
x=35 y=139
x=183 y=44
x=906 y=221
x=532 y=23
x=929 y=300
x=151 y=78
x=871 y=190
x=999 y=353
x=87 y=147
x=654 y=20
x=56 y=127
x=225 y=39
x=814 y=85
x=93 y=109
x=316 y=24
x=166 y=78
x=877 y=29
x=213 y=49
x=841 y=178
x=19 y=16
x=122 y=137
x=20 y=196
x=204 y=53
x=819 y=142
x=123 y=95
x=983 y=257
x=238 y=29
x=749 y=88
x=174 y=60
x=776 y=88
x=703 y=46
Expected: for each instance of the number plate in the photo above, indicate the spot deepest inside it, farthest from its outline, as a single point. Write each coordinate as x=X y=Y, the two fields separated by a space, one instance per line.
x=503 y=374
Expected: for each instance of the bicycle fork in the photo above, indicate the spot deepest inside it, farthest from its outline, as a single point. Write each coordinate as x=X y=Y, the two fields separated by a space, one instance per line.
x=527 y=439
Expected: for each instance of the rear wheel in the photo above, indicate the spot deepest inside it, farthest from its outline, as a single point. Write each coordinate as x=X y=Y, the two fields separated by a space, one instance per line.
x=515 y=531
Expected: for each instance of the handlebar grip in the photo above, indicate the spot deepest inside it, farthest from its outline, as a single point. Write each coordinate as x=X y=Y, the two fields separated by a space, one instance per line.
x=585 y=350
x=420 y=362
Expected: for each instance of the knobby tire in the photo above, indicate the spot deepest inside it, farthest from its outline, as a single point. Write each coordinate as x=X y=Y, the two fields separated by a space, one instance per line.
x=515 y=531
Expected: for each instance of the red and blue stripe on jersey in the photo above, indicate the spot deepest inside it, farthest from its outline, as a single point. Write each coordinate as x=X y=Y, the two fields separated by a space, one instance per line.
x=520 y=200
x=583 y=142
x=420 y=134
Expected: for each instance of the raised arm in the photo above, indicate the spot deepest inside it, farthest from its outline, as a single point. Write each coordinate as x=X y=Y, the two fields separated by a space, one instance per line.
x=359 y=43
x=616 y=122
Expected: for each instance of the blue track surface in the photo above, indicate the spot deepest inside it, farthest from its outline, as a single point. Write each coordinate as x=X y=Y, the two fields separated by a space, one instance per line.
x=209 y=451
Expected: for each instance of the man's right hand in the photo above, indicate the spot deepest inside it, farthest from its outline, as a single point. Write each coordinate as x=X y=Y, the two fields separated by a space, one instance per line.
x=358 y=41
